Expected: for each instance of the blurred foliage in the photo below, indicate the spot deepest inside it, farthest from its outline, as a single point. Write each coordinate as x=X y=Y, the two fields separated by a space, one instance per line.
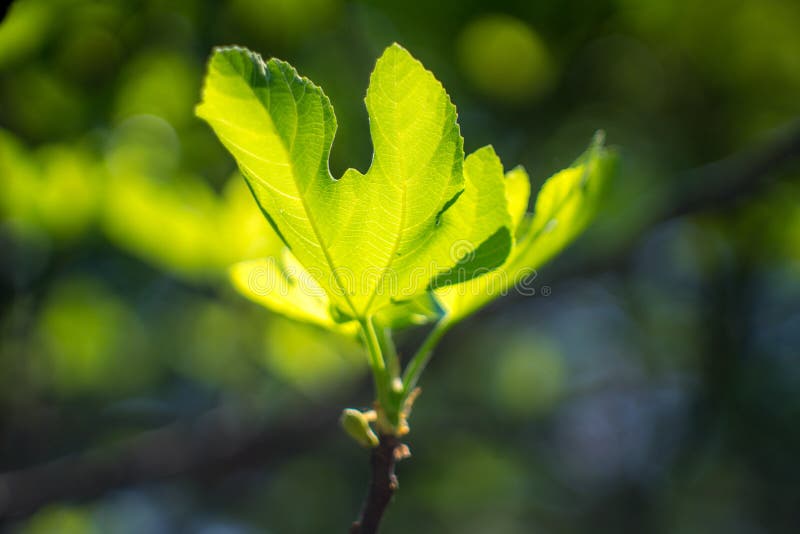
x=660 y=396
x=504 y=58
x=61 y=520
x=86 y=336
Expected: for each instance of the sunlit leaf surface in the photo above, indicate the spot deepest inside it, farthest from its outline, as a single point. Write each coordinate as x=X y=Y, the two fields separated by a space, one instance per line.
x=368 y=239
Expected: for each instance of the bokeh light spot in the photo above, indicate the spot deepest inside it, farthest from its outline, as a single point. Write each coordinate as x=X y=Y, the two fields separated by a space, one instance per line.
x=528 y=376
x=505 y=59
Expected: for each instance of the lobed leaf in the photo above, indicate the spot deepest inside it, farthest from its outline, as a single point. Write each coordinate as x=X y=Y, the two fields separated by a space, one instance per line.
x=370 y=239
x=423 y=234
x=566 y=204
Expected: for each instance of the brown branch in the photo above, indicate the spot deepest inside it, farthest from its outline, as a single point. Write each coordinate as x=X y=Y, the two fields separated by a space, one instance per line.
x=216 y=443
x=382 y=485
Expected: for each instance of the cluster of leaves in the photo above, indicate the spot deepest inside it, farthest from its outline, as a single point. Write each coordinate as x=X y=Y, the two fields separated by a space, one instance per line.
x=425 y=235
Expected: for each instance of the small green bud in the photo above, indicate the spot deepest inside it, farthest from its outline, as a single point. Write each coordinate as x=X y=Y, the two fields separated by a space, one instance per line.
x=356 y=424
x=397 y=385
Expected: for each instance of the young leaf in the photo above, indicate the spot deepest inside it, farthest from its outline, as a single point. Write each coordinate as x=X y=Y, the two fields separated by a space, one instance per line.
x=518 y=191
x=284 y=286
x=368 y=239
x=421 y=310
x=356 y=424
x=564 y=207
x=566 y=204
x=476 y=230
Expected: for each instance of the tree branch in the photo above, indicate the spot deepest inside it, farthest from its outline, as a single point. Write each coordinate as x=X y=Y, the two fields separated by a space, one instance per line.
x=382 y=485
x=728 y=180
x=216 y=443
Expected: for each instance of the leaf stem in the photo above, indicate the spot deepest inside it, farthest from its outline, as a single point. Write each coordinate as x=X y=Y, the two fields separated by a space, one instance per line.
x=422 y=357
x=373 y=346
x=379 y=371
x=389 y=351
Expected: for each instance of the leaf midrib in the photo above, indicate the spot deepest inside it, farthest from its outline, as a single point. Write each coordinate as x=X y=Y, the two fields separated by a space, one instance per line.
x=302 y=194
x=403 y=197
x=396 y=246
x=533 y=237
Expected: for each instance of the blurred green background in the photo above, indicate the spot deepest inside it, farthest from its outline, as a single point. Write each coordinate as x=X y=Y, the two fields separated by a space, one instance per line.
x=651 y=386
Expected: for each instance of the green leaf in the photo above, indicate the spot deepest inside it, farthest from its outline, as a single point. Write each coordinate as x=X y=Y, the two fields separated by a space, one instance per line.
x=284 y=286
x=566 y=204
x=421 y=310
x=518 y=192
x=368 y=239
x=476 y=230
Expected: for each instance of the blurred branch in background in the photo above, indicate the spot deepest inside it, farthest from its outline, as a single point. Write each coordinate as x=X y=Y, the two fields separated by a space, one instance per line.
x=722 y=183
x=221 y=441
x=710 y=187
x=216 y=443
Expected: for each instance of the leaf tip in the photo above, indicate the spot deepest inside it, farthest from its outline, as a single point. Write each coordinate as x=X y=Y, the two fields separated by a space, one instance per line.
x=396 y=46
x=487 y=149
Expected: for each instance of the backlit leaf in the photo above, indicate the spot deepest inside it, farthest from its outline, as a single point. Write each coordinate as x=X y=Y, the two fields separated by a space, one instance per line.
x=368 y=239
x=566 y=204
